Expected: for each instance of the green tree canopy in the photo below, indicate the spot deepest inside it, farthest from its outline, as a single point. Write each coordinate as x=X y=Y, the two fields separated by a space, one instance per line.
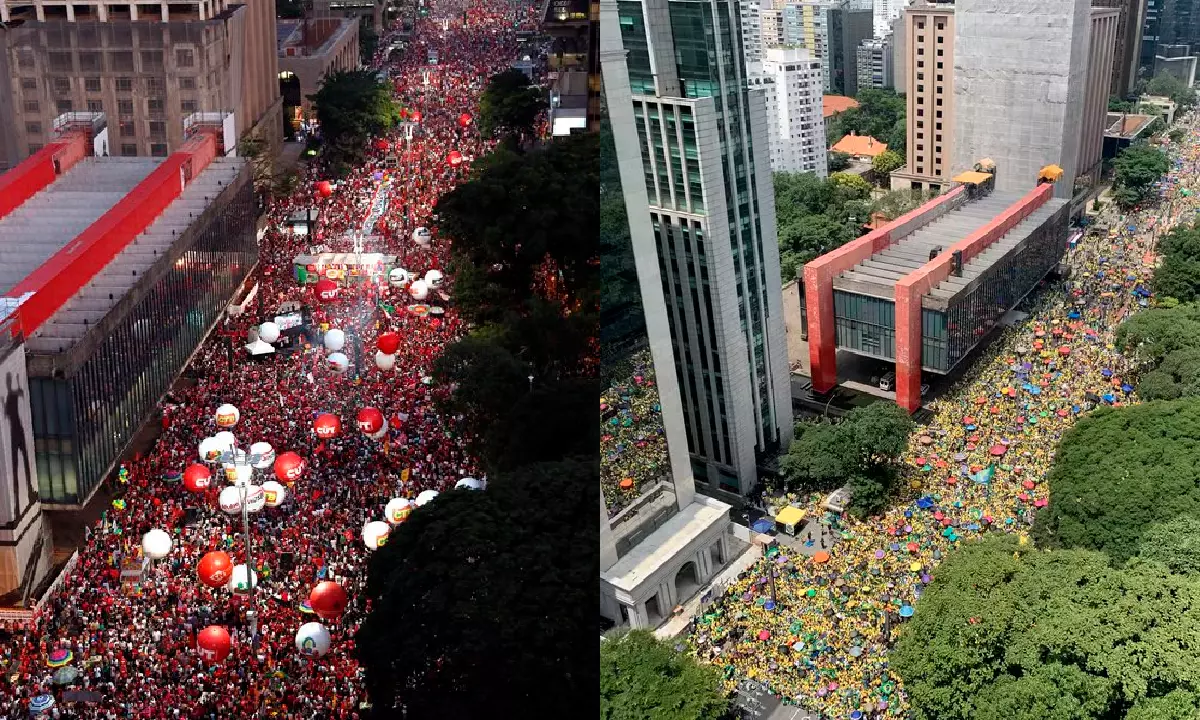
x=1167 y=341
x=368 y=40
x=644 y=678
x=352 y=106
x=880 y=114
x=861 y=451
x=509 y=106
x=1136 y=168
x=1117 y=105
x=1010 y=633
x=885 y=162
x=838 y=161
x=811 y=219
x=897 y=203
x=1179 y=274
x=849 y=186
x=1167 y=85
x=479 y=598
x=1119 y=471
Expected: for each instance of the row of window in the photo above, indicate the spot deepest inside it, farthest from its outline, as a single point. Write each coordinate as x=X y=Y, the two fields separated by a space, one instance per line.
x=151 y=83
x=117 y=60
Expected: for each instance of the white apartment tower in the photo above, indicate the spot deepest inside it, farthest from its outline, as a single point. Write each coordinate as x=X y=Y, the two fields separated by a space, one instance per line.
x=701 y=149
x=792 y=81
x=752 y=30
x=885 y=12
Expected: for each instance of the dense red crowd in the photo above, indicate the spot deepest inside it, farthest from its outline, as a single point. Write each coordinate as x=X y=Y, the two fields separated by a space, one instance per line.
x=135 y=647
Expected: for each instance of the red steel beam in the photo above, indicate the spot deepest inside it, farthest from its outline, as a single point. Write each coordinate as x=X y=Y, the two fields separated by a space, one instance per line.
x=36 y=172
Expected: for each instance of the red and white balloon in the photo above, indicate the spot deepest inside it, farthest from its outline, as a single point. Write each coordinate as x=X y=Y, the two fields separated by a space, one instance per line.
x=213 y=644
x=327 y=425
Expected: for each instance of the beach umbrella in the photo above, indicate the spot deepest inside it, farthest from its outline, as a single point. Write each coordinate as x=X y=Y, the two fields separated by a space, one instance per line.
x=41 y=703
x=59 y=658
x=65 y=675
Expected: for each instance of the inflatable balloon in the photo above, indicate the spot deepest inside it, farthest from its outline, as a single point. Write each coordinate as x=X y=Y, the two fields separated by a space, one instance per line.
x=415 y=116
x=230 y=500
x=375 y=534
x=325 y=188
x=242 y=580
x=335 y=340
x=388 y=343
x=433 y=278
x=328 y=600
x=454 y=159
x=422 y=236
x=234 y=458
x=419 y=289
x=226 y=439
x=289 y=467
x=262 y=455
x=268 y=332
x=274 y=493
x=327 y=426
x=156 y=544
x=227 y=416
x=426 y=497
x=384 y=362
x=398 y=277
x=256 y=498
x=215 y=568
x=397 y=510
x=382 y=145
x=464 y=120
x=380 y=433
x=370 y=420
x=210 y=449
x=468 y=484
x=243 y=472
x=327 y=290
x=213 y=644
x=312 y=639
x=197 y=477
x=338 y=362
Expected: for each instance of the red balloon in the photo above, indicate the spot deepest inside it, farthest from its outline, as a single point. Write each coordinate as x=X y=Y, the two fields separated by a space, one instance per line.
x=415 y=116
x=328 y=600
x=382 y=145
x=325 y=188
x=197 y=477
x=454 y=158
x=327 y=426
x=213 y=644
x=464 y=120
x=215 y=568
x=370 y=420
x=388 y=343
x=326 y=289
x=289 y=467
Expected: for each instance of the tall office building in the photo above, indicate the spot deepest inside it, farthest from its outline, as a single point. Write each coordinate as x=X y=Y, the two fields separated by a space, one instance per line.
x=701 y=149
x=831 y=30
x=1020 y=70
x=1102 y=48
x=752 y=30
x=791 y=82
x=875 y=63
x=146 y=67
x=1177 y=23
x=925 y=59
x=1128 y=46
x=884 y=12
x=1151 y=37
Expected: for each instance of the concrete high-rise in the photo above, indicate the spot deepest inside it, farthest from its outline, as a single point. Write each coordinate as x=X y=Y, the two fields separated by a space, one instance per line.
x=1128 y=46
x=925 y=60
x=831 y=30
x=1020 y=70
x=884 y=12
x=791 y=81
x=702 y=152
x=875 y=63
x=146 y=67
x=752 y=30
x=1101 y=52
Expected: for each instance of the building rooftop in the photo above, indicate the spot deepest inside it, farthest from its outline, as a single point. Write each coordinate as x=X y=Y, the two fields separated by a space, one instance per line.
x=860 y=146
x=1126 y=126
x=659 y=547
x=834 y=104
x=82 y=312
x=48 y=221
x=294 y=38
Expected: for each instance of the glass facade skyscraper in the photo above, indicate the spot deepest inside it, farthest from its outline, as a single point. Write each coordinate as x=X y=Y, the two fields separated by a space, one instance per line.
x=701 y=148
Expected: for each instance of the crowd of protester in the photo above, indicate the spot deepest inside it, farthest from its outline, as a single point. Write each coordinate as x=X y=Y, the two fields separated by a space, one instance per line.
x=132 y=643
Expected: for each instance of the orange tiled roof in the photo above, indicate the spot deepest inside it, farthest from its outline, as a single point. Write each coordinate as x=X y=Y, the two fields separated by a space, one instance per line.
x=833 y=104
x=860 y=146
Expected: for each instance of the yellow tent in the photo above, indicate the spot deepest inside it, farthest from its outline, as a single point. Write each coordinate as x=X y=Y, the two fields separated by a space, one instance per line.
x=789 y=518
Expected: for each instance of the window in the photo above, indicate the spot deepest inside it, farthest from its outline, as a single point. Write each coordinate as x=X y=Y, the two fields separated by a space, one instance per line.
x=937 y=136
x=939 y=102
x=95 y=106
x=25 y=57
x=920 y=147
x=921 y=51
x=33 y=128
x=152 y=60
x=62 y=85
x=187 y=83
x=920 y=25
x=941 y=26
x=920 y=88
x=32 y=107
x=940 y=52
x=154 y=84
x=158 y=128
x=920 y=112
x=937 y=126
x=920 y=76
x=920 y=136
x=29 y=83
x=940 y=38
x=939 y=76
x=920 y=123
x=91 y=84
x=61 y=62
x=187 y=106
x=64 y=106
x=939 y=65
x=124 y=107
x=154 y=104
x=920 y=169
x=158 y=149
x=939 y=113
x=128 y=129
x=124 y=84
x=184 y=58
x=128 y=149
x=920 y=63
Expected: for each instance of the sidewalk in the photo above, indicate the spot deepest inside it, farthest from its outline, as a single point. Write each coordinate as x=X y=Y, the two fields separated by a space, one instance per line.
x=678 y=623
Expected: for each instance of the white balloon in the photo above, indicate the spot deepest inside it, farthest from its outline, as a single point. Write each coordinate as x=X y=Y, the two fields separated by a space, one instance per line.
x=256 y=498
x=226 y=439
x=274 y=493
x=242 y=579
x=426 y=496
x=419 y=289
x=422 y=236
x=397 y=510
x=375 y=534
x=383 y=361
x=268 y=332
x=335 y=340
x=265 y=454
x=227 y=416
x=312 y=639
x=468 y=484
x=243 y=473
x=399 y=277
x=433 y=278
x=210 y=449
x=156 y=544
x=338 y=362
x=234 y=458
x=230 y=500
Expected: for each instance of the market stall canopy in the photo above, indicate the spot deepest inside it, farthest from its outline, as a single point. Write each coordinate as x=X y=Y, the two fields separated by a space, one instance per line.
x=790 y=516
